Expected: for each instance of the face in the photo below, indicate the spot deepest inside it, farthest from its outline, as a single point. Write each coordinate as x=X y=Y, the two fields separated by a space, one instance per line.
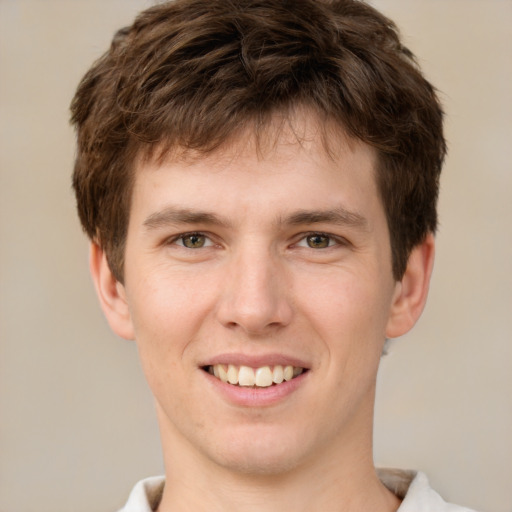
x=272 y=269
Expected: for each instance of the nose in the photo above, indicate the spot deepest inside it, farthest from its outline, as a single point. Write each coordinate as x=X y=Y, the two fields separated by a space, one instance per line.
x=256 y=293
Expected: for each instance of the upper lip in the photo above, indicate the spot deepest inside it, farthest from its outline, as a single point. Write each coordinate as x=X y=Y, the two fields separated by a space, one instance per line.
x=255 y=361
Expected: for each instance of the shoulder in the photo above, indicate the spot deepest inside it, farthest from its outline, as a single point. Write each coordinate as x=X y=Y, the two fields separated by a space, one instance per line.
x=145 y=496
x=414 y=489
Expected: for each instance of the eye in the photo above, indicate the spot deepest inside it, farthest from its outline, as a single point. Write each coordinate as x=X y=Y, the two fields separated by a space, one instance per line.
x=318 y=241
x=193 y=240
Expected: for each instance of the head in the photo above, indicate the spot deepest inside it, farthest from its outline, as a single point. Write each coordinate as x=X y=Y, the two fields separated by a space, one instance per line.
x=259 y=179
x=191 y=75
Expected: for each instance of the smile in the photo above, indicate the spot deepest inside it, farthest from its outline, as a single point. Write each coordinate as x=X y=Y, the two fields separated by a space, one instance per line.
x=261 y=377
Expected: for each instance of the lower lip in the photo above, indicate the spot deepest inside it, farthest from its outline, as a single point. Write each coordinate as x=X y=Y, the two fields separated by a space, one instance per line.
x=254 y=396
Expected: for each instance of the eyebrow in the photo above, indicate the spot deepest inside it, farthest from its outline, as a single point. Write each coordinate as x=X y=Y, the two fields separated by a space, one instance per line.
x=173 y=215
x=339 y=216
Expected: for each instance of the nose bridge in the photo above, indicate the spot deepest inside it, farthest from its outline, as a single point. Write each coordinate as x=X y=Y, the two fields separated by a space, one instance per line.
x=256 y=296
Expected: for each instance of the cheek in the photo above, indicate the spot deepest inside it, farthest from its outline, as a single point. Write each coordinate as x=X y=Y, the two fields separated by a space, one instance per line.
x=342 y=303
x=348 y=314
x=168 y=313
x=168 y=299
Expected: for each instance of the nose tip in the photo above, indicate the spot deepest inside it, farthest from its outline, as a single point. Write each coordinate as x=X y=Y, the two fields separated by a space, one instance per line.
x=256 y=317
x=255 y=298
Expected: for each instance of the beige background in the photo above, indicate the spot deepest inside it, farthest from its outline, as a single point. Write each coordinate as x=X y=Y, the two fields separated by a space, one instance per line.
x=77 y=426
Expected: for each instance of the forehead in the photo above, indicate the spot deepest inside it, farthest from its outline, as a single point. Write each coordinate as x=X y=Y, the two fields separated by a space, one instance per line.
x=290 y=166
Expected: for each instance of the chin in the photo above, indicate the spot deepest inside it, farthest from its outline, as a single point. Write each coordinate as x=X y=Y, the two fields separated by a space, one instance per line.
x=260 y=454
x=259 y=464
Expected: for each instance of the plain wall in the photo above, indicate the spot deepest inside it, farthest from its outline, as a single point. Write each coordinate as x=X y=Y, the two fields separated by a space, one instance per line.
x=77 y=427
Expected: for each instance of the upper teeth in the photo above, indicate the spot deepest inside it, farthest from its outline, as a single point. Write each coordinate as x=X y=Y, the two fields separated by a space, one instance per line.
x=263 y=376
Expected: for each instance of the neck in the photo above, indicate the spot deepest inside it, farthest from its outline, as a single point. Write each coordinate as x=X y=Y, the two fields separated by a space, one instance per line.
x=339 y=477
x=298 y=491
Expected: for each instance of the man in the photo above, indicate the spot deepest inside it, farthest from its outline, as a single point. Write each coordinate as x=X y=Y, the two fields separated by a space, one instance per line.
x=259 y=182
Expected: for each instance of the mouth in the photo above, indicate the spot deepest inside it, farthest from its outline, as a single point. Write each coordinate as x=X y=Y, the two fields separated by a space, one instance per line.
x=261 y=377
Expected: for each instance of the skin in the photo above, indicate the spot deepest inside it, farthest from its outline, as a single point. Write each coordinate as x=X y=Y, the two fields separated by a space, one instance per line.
x=258 y=290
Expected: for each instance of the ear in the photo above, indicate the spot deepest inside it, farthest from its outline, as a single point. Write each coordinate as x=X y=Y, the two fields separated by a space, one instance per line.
x=411 y=292
x=111 y=294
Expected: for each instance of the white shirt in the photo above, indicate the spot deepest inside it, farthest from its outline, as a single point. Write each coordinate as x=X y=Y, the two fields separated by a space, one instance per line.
x=410 y=486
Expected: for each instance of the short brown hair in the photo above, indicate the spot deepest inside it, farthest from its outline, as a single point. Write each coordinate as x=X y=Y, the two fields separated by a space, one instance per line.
x=191 y=73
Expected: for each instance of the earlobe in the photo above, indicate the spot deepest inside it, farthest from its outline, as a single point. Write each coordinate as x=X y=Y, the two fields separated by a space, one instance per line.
x=111 y=294
x=411 y=292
